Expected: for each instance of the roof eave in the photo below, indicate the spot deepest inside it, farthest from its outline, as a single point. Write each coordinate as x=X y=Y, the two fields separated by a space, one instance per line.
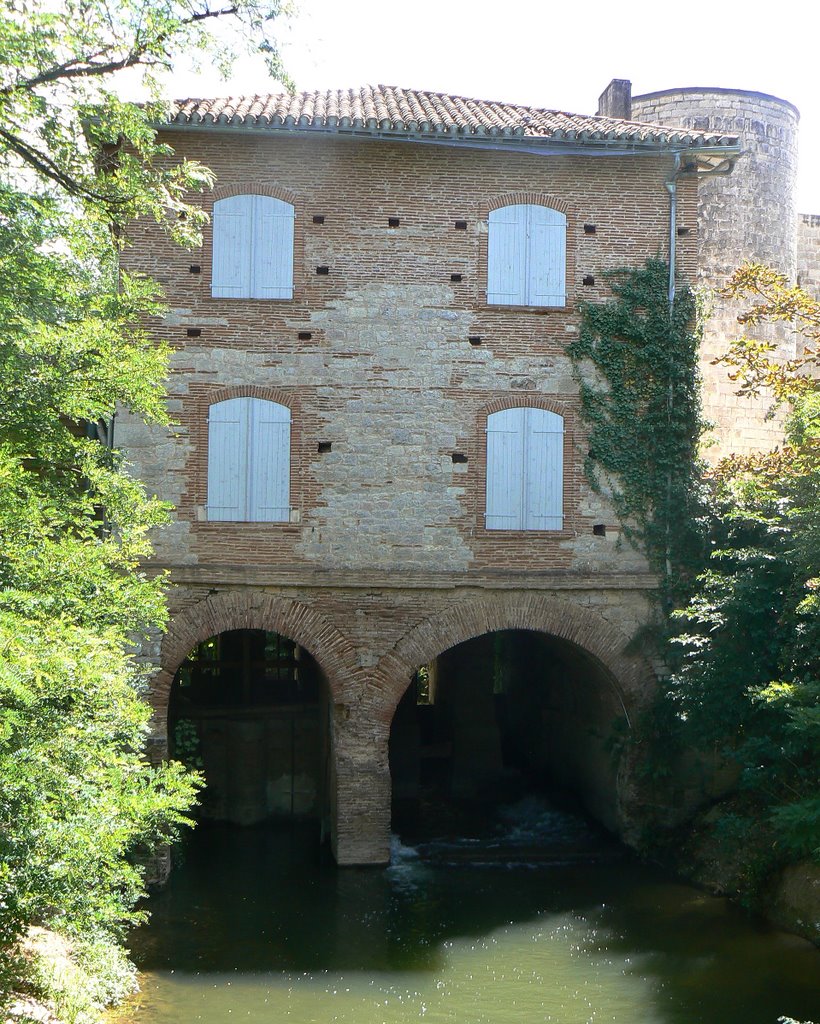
x=671 y=142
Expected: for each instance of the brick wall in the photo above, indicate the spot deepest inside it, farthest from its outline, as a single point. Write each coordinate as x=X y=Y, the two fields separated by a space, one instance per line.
x=386 y=557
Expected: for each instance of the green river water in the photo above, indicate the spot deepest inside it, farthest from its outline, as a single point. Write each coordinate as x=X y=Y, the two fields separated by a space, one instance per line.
x=537 y=921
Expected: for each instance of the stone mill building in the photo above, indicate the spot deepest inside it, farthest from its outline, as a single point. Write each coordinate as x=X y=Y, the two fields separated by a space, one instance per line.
x=390 y=580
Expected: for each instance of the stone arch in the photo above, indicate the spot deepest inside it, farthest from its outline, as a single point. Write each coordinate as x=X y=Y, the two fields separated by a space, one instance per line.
x=632 y=677
x=220 y=612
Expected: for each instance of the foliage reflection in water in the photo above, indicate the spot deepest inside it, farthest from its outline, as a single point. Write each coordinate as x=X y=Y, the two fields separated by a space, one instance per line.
x=258 y=925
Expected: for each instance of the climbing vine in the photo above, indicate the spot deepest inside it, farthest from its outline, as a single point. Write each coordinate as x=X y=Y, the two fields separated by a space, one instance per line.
x=641 y=403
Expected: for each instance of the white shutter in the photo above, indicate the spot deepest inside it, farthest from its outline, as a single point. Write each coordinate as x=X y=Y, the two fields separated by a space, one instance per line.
x=507 y=256
x=543 y=470
x=269 y=462
x=525 y=470
x=228 y=460
x=272 y=267
x=232 y=247
x=249 y=461
x=505 y=469
x=546 y=246
x=526 y=256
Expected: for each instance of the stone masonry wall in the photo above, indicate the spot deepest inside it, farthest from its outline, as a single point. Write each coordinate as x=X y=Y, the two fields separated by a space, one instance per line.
x=749 y=215
x=386 y=562
x=808 y=253
x=388 y=375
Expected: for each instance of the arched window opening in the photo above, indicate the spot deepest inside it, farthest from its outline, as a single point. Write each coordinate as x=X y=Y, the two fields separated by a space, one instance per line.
x=252 y=248
x=525 y=470
x=526 y=256
x=249 y=461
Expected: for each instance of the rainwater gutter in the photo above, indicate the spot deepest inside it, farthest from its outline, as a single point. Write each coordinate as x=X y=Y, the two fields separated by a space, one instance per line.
x=672 y=188
x=510 y=144
x=723 y=169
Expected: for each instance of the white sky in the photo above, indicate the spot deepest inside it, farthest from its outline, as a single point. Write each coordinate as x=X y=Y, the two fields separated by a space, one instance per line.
x=559 y=56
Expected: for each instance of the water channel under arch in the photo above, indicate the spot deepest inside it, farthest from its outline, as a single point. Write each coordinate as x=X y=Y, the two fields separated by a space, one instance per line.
x=535 y=917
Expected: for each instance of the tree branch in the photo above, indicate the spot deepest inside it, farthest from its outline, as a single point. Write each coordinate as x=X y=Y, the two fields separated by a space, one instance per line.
x=141 y=55
x=44 y=165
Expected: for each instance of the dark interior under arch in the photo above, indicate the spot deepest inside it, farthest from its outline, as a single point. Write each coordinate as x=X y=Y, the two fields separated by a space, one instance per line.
x=505 y=714
x=249 y=708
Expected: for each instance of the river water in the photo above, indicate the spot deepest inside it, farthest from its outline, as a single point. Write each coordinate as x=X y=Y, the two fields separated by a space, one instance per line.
x=535 y=918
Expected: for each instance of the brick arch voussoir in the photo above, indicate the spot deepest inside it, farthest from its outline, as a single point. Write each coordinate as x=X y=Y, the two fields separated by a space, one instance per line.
x=219 y=613
x=632 y=676
x=255 y=188
x=270 y=394
x=526 y=198
x=526 y=400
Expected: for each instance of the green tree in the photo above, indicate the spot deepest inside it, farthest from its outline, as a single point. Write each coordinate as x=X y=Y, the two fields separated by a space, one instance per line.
x=747 y=678
x=79 y=804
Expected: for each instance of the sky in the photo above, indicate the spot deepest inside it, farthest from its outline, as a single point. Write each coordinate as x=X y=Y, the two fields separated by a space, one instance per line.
x=558 y=56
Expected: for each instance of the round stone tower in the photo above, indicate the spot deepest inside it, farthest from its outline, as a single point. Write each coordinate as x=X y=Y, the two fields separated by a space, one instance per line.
x=747 y=215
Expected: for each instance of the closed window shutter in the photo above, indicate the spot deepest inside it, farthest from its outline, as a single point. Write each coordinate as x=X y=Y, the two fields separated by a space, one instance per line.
x=253 y=248
x=526 y=256
x=232 y=247
x=249 y=461
x=269 y=462
x=507 y=256
x=543 y=470
x=547 y=245
x=525 y=469
x=272 y=273
x=228 y=460
x=505 y=470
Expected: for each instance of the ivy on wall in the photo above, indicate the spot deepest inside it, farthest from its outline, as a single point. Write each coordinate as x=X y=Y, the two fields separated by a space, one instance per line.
x=636 y=360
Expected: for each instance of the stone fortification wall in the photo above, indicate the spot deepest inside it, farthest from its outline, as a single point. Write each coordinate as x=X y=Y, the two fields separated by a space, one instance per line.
x=808 y=257
x=808 y=253
x=749 y=215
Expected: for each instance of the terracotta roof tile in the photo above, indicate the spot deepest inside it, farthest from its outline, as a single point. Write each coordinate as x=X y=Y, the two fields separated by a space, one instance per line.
x=406 y=112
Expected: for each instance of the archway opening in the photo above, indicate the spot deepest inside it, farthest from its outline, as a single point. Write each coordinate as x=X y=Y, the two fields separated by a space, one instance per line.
x=249 y=709
x=502 y=716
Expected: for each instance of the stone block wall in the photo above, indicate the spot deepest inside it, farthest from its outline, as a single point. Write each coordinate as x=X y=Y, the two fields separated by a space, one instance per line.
x=748 y=216
x=808 y=253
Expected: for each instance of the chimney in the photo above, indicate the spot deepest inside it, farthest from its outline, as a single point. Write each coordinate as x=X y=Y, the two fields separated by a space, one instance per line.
x=616 y=100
